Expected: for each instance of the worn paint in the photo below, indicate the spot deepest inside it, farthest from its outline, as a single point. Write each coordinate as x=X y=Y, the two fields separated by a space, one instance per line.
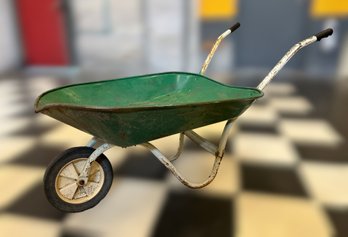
x=213 y=50
x=285 y=60
x=167 y=163
x=86 y=168
x=135 y=110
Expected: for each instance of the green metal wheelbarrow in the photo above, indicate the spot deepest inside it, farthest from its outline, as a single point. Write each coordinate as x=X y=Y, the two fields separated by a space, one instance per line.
x=136 y=110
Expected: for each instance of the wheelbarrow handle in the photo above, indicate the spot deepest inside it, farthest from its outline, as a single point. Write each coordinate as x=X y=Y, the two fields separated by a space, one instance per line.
x=297 y=47
x=234 y=27
x=324 y=34
x=216 y=45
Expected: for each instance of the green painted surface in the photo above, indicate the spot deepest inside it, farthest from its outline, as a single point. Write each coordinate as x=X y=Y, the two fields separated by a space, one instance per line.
x=134 y=110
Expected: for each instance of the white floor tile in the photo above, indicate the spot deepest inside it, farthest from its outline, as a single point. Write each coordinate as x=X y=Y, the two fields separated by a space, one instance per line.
x=214 y=131
x=46 y=120
x=10 y=110
x=14 y=146
x=15 y=180
x=168 y=145
x=12 y=125
x=260 y=115
x=291 y=105
x=327 y=183
x=116 y=156
x=66 y=135
x=269 y=215
x=9 y=100
x=310 y=131
x=282 y=89
x=8 y=88
x=130 y=209
x=264 y=149
x=21 y=226
x=196 y=167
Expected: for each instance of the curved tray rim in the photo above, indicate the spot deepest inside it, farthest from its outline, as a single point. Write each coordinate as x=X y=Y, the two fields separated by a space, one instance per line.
x=139 y=108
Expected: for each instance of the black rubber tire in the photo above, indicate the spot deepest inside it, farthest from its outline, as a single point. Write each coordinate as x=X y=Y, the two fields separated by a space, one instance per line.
x=56 y=165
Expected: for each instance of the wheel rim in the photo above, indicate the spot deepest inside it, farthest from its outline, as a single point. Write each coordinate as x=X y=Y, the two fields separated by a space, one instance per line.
x=73 y=190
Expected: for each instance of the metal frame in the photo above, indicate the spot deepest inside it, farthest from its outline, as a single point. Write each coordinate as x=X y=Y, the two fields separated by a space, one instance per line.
x=100 y=150
x=167 y=163
x=297 y=47
x=213 y=50
x=217 y=151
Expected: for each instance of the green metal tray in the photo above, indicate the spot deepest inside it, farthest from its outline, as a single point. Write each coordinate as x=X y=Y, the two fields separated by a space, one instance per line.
x=135 y=110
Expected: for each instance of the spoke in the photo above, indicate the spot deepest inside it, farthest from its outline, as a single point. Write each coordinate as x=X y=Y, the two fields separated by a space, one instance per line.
x=69 y=172
x=95 y=177
x=94 y=168
x=79 y=165
x=65 y=177
x=65 y=181
x=93 y=183
x=76 y=170
x=69 y=190
x=85 y=191
x=80 y=193
x=91 y=174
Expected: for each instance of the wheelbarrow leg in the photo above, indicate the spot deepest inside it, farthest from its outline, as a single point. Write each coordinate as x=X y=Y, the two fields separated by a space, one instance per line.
x=224 y=137
x=100 y=150
x=180 y=149
x=208 y=146
x=92 y=142
x=167 y=163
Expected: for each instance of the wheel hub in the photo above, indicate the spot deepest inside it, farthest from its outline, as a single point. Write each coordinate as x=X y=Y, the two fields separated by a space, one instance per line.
x=82 y=182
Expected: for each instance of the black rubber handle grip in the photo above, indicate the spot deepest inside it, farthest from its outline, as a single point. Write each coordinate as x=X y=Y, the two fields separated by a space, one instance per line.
x=234 y=27
x=324 y=34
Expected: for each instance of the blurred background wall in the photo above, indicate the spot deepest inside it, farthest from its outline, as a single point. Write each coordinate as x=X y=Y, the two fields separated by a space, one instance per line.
x=9 y=42
x=108 y=38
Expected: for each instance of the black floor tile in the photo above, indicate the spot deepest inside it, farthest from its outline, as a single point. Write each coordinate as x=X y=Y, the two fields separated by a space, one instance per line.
x=34 y=204
x=329 y=101
x=141 y=165
x=78 y=233
x=25 y=113
x=39 y=155
x=289 y=115
x=272 y=180
x=189 y=215
x=324 y=154
x=262 y=101
x=339 y=220
x=271 y=129
x=34 y=129
x=191 y=146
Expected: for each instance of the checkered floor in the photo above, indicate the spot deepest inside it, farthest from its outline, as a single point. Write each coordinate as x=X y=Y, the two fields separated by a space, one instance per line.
x=285 y=172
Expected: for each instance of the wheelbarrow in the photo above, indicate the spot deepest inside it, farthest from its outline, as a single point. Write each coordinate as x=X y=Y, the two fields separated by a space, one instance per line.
x=135 y=110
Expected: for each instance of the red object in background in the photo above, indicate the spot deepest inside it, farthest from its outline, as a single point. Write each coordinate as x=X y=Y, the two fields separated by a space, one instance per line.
x=43 y=32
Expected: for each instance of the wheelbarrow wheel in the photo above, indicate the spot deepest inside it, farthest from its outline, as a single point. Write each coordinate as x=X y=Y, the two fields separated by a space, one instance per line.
x=65 y=191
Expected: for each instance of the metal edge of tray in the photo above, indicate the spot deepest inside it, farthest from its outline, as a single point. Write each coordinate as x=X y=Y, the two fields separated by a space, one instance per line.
x=125 y=109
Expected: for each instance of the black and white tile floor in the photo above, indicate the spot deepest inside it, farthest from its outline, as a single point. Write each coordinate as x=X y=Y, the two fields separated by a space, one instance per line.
x=285 y=172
